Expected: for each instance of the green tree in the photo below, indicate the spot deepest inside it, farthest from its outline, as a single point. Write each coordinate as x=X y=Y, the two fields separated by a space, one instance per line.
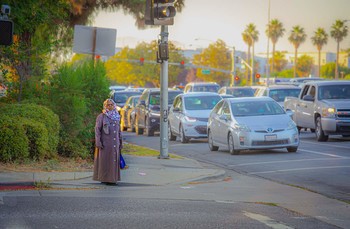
x=279 y=61
x=275 y=31
x=339 y=32
x=217 y=55
x=148 y=74
x=319 y=39
x=250 y=36
x=305 y=64
x=297 y=36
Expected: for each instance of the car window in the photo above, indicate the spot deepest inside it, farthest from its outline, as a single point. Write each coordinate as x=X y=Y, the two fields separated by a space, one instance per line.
x=241 y=92
x=135 y=100
x=201 y=102
x=154 y=98
x=334 y=92
x=256 y=108
x=225 y=110
x=306 y=88
x=218 y=106
x=312 y=91
x=280 y=94
x=206 y=88
x=121 y=97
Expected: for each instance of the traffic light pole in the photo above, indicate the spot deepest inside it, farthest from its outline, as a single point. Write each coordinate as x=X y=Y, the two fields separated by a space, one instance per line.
x=233 y=67
x=164 y=99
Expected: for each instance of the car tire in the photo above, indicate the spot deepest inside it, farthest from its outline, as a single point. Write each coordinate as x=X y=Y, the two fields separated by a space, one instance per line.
x=231 y=145
x=320 y=136
x=292 y=149
x=170 y=134
x=138 y=130
x=122 y=126
x=211 y=142
x=346 y=135
x=183 y=137
x=132 y=124
x=149 y=132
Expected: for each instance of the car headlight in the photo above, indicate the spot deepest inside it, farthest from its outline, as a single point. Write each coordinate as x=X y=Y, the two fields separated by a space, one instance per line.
x=291 y=125
x=118 y=108
x=189 y=119
x=329 y=112
x=242 y=127
x=155 y=114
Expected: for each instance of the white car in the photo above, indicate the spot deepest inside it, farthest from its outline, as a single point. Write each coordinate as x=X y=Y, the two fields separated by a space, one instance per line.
x=188 y=116
x=250 y=123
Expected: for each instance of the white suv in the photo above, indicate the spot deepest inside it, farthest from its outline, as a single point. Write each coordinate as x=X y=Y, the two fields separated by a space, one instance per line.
x=202 y=87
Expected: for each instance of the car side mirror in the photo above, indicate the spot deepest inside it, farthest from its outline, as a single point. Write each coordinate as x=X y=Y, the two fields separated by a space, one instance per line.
x=309 y=98
x=290 y=113
x=223 y=117
x=176 y=109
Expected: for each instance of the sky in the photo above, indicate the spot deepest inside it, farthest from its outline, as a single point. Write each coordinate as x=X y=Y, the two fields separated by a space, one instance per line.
x=202 y=22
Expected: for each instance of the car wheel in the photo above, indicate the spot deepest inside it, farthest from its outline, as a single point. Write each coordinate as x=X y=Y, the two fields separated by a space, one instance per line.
x=320 y=136
x=170 y=134
x=231 y=145
x=138 y=130
x=312 y=130
x=346 y=135
x=183 y=137
x=292 y=149
x=211 y=142
x=149 y=132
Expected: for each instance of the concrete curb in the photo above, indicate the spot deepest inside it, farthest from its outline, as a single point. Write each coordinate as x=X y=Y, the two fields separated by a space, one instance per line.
x=15 y=177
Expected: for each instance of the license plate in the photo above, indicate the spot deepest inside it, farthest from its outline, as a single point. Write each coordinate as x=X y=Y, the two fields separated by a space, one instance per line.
x=270 y=137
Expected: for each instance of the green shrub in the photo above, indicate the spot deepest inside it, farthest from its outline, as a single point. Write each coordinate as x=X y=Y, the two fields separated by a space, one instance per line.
x=36 y=114
x=13 y=139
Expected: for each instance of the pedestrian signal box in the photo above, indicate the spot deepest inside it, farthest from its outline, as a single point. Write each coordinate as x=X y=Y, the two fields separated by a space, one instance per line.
x=6 y=32
x=160 y=12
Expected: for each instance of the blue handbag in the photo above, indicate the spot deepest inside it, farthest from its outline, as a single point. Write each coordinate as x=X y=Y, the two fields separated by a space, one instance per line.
x=122 y=162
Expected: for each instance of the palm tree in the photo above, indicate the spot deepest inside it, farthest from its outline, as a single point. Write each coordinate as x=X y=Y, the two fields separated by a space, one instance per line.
x=339 y=32
x=297 y=36
x=250 y=36
x=275 y=31
x=280 y=61
x=319 y=39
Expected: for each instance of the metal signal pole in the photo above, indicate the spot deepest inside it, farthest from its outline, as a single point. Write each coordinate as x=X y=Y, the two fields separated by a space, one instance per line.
x=163 y=56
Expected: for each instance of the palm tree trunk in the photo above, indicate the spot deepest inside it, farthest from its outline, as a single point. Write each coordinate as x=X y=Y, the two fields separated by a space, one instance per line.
x=247 y=69
x=273 y=58
x=295 y=62
x=337 y=62
x=319 y=64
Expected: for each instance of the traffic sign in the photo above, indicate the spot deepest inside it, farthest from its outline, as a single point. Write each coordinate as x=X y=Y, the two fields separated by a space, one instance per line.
x=206 y=71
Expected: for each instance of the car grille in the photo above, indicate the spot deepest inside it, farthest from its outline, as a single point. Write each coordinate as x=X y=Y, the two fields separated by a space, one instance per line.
x=343 y=113
x=265 y=131
x=201 y=129
x=270 y=143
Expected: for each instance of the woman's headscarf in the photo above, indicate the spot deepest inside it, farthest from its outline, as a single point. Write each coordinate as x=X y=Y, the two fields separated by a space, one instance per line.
x=113 y=114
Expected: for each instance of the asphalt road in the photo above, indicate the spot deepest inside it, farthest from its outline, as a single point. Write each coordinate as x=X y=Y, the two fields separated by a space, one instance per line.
x=322 y=167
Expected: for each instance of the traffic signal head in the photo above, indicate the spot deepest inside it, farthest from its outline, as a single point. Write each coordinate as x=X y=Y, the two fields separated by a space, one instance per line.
x=236 y=78
x=6 y=32
x=141 y=60
x=257 y=76
x=182 y=64
x=160 y=12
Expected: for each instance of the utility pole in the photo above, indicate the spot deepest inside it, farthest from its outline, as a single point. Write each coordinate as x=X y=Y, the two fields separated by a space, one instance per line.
x=233 y=68
x=268 y=43
x=163 y=52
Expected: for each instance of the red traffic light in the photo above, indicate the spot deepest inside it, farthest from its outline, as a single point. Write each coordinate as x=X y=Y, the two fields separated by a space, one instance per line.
x=182 y=63
x=236 y=78
x=97 y=56
x=257 y=76
x=142 y=59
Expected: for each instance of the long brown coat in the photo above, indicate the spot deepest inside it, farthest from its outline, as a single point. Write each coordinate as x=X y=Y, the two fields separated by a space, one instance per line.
x=108 y=135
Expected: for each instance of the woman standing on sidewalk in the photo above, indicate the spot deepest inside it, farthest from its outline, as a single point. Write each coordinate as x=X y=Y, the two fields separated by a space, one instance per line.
x=108 y=139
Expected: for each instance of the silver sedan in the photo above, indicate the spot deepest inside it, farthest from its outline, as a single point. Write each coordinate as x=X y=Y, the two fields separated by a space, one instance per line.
x=251 y=123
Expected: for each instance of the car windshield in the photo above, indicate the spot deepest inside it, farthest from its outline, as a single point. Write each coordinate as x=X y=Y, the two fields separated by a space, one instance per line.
x=280 y=94
x=256 y=108
x=206 y=88
x=121 y=97
x=334 y=92
x=201 y=102
x=155 y=98
x=241 y=92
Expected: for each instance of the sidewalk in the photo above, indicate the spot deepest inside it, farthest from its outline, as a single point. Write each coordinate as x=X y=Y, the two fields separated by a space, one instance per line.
x=141 y=170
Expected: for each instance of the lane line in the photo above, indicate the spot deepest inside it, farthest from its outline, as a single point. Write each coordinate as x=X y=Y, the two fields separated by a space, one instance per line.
x=328 y=144
x=325 y=154
x=267 y=221
x=288 y=161
x=300 y=169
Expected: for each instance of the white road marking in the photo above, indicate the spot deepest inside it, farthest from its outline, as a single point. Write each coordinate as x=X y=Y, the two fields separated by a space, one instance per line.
x=315 y=152
x=267 y=221
x=300 y=169
x=288 y=161
x=327 y=144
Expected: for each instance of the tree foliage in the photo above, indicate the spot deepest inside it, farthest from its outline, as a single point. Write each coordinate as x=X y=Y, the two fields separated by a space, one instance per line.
x=297 y=36
x=147 y=74
x=304 y=67
x=275 y=31
x=217 y=55
x=279 y=61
